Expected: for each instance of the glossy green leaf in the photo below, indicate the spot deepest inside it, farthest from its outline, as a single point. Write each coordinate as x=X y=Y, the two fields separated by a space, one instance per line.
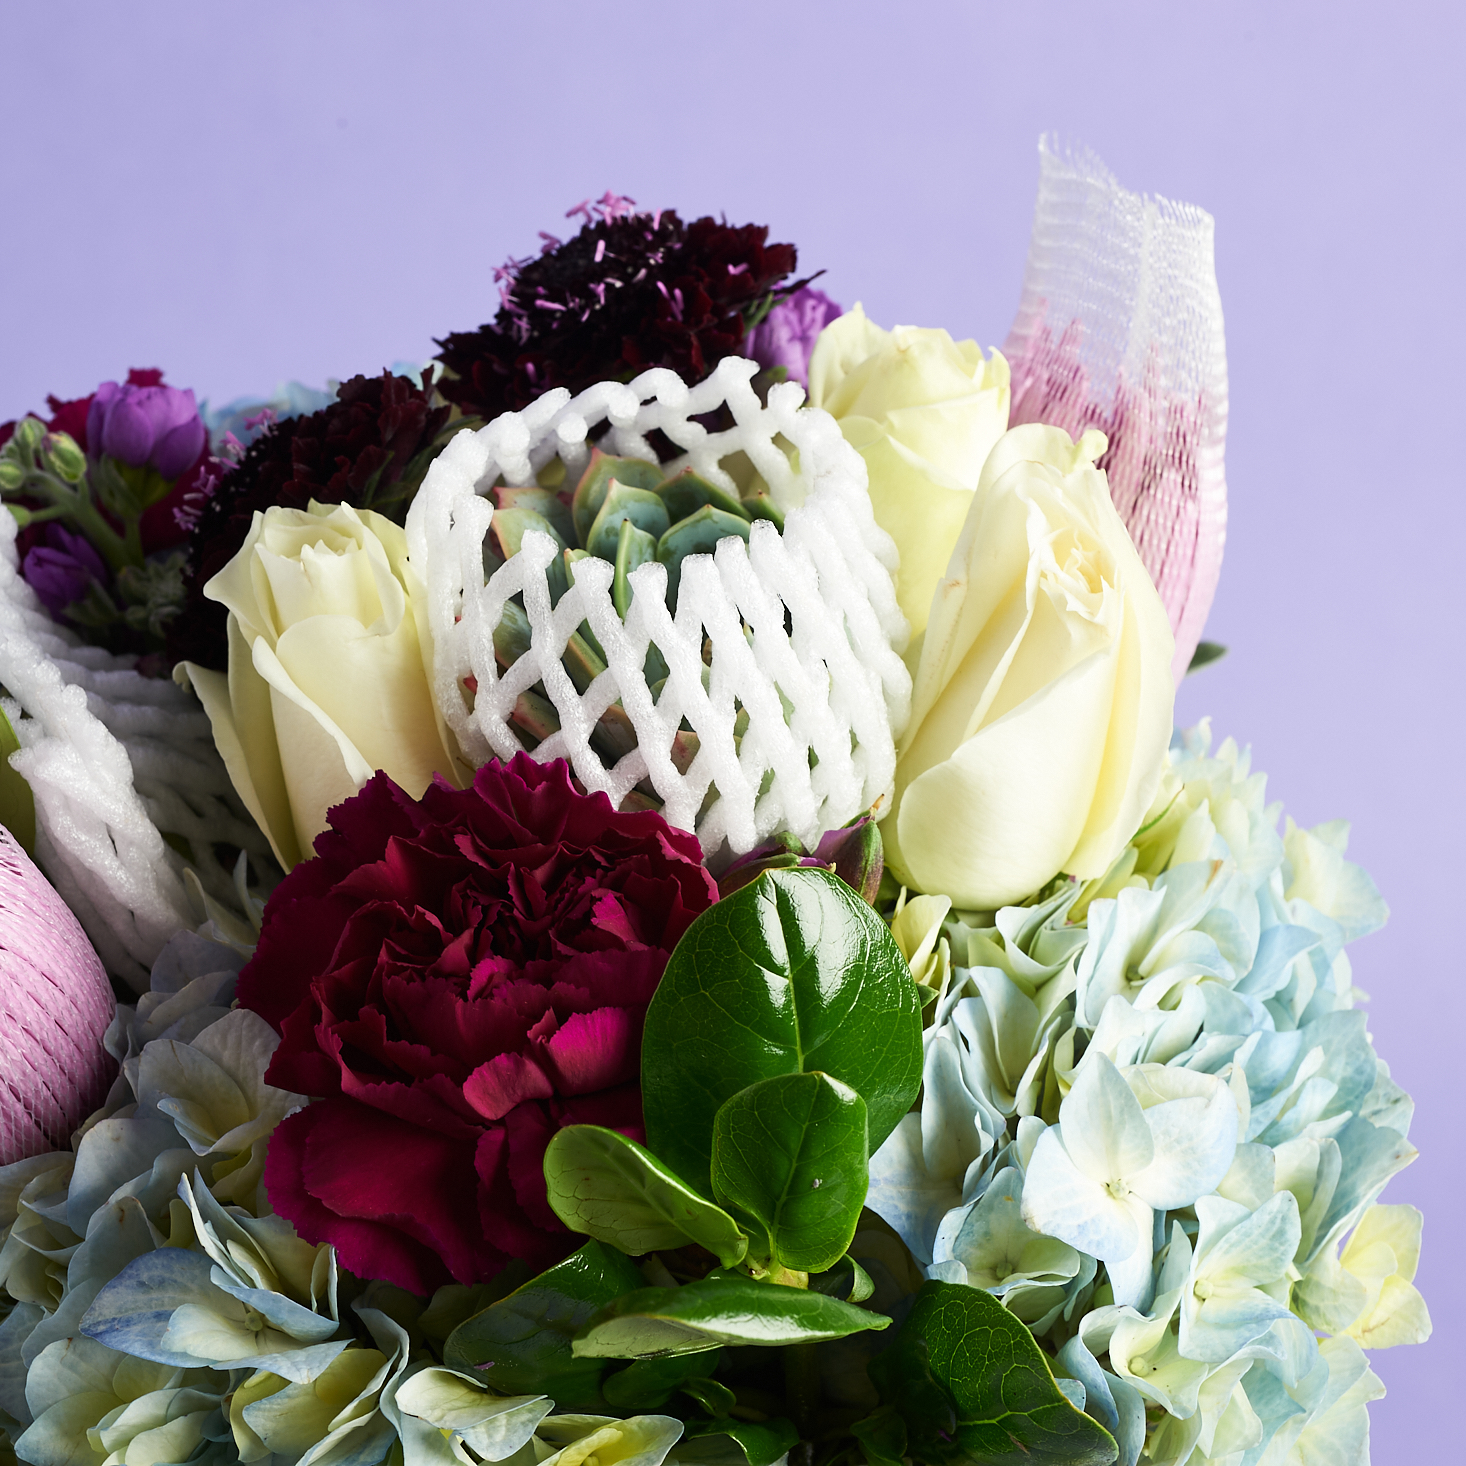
x=721 y=1309
x=791 y=974
x=611 y=1188
x=714 y=1396
x=634 y=548
x=648 y=1384
x=790 y=1153
x=845 y=1279
x=759 y=1443
x=972 y=1385
x=622 y=505
x=17 y=803
x=521 y=1345
x=699 y=534
x=595 y=483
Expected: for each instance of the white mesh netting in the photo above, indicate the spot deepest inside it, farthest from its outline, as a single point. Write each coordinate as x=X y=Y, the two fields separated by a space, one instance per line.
x=785 y=680
x=1120 y=328
x=114 y=759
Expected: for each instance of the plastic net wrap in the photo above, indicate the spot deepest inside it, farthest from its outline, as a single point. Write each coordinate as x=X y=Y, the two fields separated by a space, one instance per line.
x=115 y=760
x=1120 y=328
x=785 y=685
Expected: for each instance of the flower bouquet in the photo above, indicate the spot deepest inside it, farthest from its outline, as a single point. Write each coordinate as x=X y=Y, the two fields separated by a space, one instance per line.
x=655 y=909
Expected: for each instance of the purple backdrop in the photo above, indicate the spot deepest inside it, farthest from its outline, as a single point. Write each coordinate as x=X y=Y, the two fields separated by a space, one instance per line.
x=246 y=194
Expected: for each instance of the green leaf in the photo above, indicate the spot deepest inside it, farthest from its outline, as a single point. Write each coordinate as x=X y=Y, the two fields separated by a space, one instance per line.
x=521 y=1345
x=611 y=1188
x=688 y=492
x=846 y=1279
x=882 y=1437
x=699 y=534
x=510 y=526
x=714 y=1396
x=1206 y=652
x=760 y=1443
x=972 y=1385
x=17 y=803
x=545 y=502
x=721 y=1309
x=595 y=483
x=634 y=548
x=790 y=1152
x=648 y=1384
x=624 y=505
x=792 y=973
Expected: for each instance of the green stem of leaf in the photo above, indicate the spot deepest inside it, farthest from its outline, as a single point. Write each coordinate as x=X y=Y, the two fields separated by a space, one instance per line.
x=802 y=1386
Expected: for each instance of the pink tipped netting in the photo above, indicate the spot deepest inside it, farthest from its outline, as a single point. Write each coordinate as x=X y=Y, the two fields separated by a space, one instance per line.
x=1120 y=329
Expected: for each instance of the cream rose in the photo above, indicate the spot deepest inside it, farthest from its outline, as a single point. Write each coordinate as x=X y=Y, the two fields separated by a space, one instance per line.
x=924 y=411
x=326 y=680
x=1043 y=695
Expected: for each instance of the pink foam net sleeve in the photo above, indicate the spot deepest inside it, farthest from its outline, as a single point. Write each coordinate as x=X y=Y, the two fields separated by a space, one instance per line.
x=1120 y=328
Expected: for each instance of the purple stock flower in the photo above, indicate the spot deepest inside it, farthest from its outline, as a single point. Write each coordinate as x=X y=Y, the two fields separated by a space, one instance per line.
x=157 y=427
x=786 y=336
x=60 y=569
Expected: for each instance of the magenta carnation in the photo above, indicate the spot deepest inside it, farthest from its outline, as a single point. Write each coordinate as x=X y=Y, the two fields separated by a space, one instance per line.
x=454 y=979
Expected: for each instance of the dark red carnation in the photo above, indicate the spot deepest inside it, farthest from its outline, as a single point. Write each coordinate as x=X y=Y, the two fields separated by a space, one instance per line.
x=454 y=979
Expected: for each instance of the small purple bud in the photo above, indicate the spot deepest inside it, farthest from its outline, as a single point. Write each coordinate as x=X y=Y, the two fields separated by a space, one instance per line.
x=786 y=336
x=61 y=569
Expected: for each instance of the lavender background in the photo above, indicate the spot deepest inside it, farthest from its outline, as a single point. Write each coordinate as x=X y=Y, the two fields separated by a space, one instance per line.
x=244 y=194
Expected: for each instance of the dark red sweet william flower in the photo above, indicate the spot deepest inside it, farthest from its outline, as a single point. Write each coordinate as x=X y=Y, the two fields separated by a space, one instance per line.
x=631 y=290
x=370 y=448
x=454 y=979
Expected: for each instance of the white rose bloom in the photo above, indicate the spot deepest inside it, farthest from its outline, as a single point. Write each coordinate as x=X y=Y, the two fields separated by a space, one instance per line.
x=327 y=680
x=1042 y=704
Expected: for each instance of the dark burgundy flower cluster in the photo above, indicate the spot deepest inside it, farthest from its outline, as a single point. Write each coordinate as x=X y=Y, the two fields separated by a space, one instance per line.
x=631 y=290
x=371 y=447
x=454 y=979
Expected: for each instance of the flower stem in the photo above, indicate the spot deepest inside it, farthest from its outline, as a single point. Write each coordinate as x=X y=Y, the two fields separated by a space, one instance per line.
x=802 y=1386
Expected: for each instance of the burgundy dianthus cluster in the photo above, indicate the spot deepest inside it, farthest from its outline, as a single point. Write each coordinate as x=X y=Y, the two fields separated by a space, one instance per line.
x=631 y=290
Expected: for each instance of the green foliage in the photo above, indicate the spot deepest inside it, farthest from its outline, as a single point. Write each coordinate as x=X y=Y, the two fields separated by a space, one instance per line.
x=521 y=1345
x=650 y=1384
x=971 y=1385
x=1206 y=653
x=723 y=1308
x=759 y=1443
x=609 y=1187
x=17 y=803
x=791 y=974
x=789 y=1155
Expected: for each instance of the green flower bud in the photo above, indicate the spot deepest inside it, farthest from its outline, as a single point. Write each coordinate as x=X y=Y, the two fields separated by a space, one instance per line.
x=29 y=432
x=12 y=475
x=66 y=458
